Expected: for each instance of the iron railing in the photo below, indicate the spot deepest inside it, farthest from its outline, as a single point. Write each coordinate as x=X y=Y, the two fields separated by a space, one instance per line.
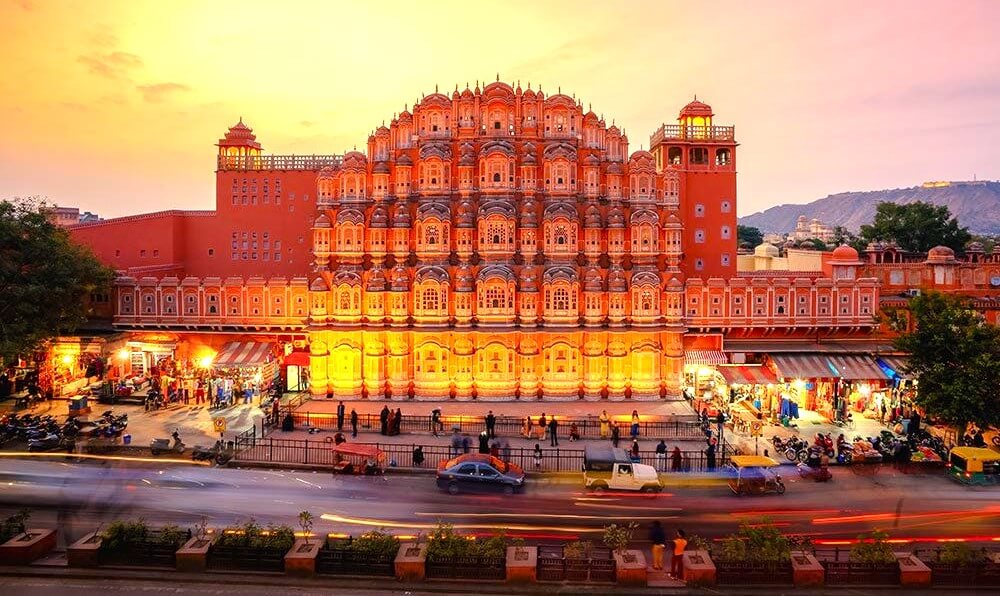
x=753 y=573
x=850 y=573
x=235 y=558
x=339 y=560
x=148 y=553
x=277 y=162
x=552 y=459
x=981 y=575
x=469 y=568
x=553 y=566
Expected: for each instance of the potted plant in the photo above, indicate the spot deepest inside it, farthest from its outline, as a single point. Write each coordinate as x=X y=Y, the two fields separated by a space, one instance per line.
x=252 y=546
x=630 y=565
x=456 y=556
x=755 y=554
x=871 y=559
x=133 y=542
x=19 y=544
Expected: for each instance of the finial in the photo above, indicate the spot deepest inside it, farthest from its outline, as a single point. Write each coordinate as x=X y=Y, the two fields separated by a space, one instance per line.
x=559 y=89
x=588 y=107
x=498 y=77
x=241 y=119
x=696 y=97
x=435 y=87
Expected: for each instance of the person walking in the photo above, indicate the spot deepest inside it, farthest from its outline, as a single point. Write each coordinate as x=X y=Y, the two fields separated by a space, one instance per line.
x=526 y=427
x=340 y=416
x=659 y=540
x=491 y=422
x=543 y=427
x=418 y=456
x=383 y=418
x=484 y=442
x=635 y=423
x=505 y=450
x=390 y=423
x=436 y=424
x=466 y=444
x=710 y=455
x=661 y=456
x=553 y=432
x=720 y=423
x=676 y=460
x=677 y=562
x=605 y=421
x=914 y=423
x=354 y=423
x=634 y=451
x=538 y=456
x=399 y=422
x=615 y=435
x=456 y=442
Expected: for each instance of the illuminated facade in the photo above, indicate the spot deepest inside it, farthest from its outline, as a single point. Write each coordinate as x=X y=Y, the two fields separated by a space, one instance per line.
x=499 y=243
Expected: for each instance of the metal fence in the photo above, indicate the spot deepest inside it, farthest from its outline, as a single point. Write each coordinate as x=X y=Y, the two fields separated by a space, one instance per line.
x=589 y=427
x=553 y=566
x=849 y=573
x=234 y=558
x=345 y=561
x=470 y=568
x=251 y=448
x=980 y=575
x=748 y=573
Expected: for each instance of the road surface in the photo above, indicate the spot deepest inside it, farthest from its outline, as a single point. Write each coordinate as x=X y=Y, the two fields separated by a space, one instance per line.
x=80 y=496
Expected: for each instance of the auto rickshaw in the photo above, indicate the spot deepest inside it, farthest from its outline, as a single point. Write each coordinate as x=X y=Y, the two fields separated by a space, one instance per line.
x=974 y=465
x=752 y=475
x=357 y=458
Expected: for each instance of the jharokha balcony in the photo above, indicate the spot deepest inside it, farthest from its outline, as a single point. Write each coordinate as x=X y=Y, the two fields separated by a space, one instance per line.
x=684 y=132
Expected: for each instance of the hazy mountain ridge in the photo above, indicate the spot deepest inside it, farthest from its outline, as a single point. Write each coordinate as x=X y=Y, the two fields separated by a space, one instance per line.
x=976 y=204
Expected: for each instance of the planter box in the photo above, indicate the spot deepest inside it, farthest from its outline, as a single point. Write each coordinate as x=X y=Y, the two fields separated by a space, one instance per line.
x=912 y=571
x=630 y=568
x=698 y=570
x=522 y=564
x=753 y=573
x=411 y=561
x=150 y=553
x=807 y=571
x=555 y=567
x=240 y=558
x=25 y=548
x=847 y=573
x=300 y=560
x=85 y=552
x=468 y=568
x=193 y=556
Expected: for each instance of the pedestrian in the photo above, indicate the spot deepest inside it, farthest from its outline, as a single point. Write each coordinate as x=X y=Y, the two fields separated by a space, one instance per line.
x=710 y=455
x=659 y=539
x=574 y=432
x=383 y=418
x=543 y=427
x=720 y=423
x=354 y=423
x=484 y=442
x=884 y=411
x=466 y=444
x=399 y=422
x=340 y=415
x=605 y=421
x=199 y=393
x=977 y=439
x=390 y=423
x=418 y=456
x=675 y=460
x=553 y=432
x=661 y=456
x=914 y=423
x=186 y=395
x=615 y=435
x=634 y=451
x=635 y=424
x=526 y=427
x=506 y=450
x=436 y=424
x=491 y=422
x=495 y=448
x=456 y=442
x=538 y=456
x=275 y=408
x=677 y=562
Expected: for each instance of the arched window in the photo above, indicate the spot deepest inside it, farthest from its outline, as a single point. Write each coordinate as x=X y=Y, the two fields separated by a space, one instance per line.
x=646 y=301
x=560 y=234
x=345 y=300
x=495 y=297
x=431 y=234
x=430 y=300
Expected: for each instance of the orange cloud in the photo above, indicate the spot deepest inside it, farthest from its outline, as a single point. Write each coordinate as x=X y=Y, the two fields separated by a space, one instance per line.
x=158 y=92
x=112 y=65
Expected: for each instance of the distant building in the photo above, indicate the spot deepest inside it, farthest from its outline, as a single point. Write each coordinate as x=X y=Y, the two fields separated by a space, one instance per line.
x=65 y=217
x=766 y=257
x=806 y=229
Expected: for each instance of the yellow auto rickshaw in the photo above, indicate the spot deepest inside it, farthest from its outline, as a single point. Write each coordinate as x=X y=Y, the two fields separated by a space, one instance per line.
x=752 y=475
x=974 y=465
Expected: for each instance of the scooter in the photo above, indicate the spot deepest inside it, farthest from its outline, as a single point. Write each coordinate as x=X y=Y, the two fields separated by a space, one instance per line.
x=216 y=453
x=46 y=443
x=158 y=446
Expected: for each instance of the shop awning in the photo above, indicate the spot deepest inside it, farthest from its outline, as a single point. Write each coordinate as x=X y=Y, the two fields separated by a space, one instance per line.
x=802 y=366
x=897 y=365
x=747 y=375
x=243 y=353
x=705 y=357
x=296 y=359
x=857 y=368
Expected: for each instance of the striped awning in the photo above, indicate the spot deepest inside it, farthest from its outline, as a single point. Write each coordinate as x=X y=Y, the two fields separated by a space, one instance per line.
x=242 y=353
x=857 y=368
x=705 y=357
x=802 y=366
x=748 y=375
x=898 y=365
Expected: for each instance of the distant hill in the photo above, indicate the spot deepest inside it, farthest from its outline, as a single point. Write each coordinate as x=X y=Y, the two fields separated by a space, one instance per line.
x=976 y=205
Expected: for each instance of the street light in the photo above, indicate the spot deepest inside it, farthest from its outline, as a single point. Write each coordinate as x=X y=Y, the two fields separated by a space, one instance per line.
x=206 y=361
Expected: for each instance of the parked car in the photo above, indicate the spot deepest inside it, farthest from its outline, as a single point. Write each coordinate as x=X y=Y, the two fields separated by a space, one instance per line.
x=478 y=473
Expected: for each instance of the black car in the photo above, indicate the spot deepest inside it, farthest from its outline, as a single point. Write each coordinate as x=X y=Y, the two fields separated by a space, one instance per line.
x=475 y=473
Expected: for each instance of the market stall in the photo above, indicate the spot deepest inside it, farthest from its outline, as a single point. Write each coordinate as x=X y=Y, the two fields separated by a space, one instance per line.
x=242 y=371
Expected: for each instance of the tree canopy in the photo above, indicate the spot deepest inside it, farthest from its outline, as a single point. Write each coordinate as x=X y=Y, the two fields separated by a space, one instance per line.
x=749 y=236
x=956 y=355
x=916 y=227
x=44 y=278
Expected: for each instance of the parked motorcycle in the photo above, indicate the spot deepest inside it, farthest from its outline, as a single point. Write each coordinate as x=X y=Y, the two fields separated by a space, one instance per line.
x=158 y=446
x=217 y=453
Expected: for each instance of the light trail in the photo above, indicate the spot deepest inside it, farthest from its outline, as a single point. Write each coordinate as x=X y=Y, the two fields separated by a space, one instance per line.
x=379 y=523
x=151 y=460
x=525 y=515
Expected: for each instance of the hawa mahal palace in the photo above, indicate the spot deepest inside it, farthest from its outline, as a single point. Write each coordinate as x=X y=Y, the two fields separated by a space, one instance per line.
x=495 y=243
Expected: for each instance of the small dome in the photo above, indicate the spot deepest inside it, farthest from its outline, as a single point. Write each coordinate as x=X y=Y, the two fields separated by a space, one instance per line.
x=400 y=279
x=319 y=285
x=404 y=160
x=845 y=253
x=381 y=168
x=976 y=247
x=592 y=280
x=322 y=221
x=239 y=135
x=593 y=217
x=401 y=219
x=616 y=219
x=463 y=279
x=529 y=280
x=765 y=250
x=376 y=280
x=616 y=279
x=379 y=217
x=615 y=168
x=696 y=108
x=941 y=254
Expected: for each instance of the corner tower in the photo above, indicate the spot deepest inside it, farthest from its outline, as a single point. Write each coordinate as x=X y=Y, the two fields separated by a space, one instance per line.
x=704 y=154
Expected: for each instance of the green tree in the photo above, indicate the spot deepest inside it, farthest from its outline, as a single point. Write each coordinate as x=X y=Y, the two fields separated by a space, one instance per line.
x=749 y=236
x=956 y=355
x=842 y=235
x=44 y=278
x=916 y=227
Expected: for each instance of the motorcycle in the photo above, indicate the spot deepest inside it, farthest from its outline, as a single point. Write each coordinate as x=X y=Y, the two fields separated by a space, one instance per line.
x=217 y=453
x=47 y=443
x=794 y=449
x=817 y=474
x=158 y=446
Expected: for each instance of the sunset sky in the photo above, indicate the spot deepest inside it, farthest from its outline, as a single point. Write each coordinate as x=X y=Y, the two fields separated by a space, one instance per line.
x=114 y=106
